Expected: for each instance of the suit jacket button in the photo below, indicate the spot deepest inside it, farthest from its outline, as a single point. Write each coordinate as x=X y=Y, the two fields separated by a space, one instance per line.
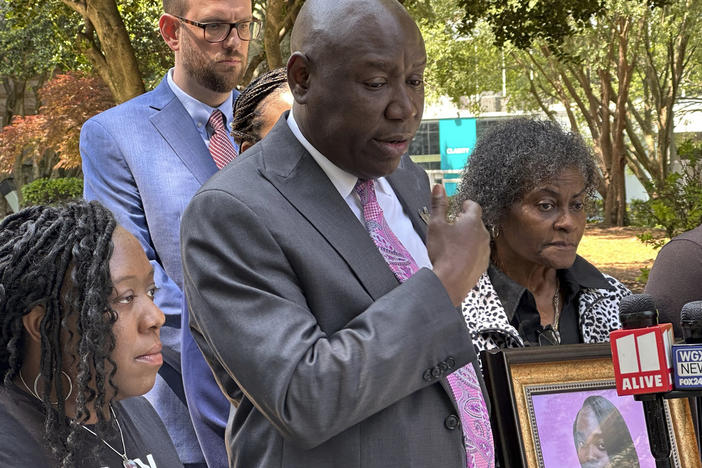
x=427 y=375
x=452 y=422
x=436 y=372
x=451 y=362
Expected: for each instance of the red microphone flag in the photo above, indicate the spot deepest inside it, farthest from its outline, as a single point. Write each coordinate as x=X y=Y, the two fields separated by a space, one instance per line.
x=642 y=359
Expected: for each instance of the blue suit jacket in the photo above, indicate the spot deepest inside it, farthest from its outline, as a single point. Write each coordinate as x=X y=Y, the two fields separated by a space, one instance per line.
x=145 y=159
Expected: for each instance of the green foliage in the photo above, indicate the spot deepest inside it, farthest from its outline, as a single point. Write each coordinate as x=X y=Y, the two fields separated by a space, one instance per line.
x=675 y=203
x=639 y=214
x=49 y=29
x=521 y=22
x=459 y=66
x=643 y=277
x=48 y=34
x=47 y=191
x=141 y=20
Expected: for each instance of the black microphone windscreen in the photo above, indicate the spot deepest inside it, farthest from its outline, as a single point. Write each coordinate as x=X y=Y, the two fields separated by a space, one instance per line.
x=636 y=303
x=691 y=322
x=638 y=311
x=691 y=312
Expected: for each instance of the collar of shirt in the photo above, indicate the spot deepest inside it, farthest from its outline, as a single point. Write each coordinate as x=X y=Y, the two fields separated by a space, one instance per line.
x=393 y=211
x=199 y=111
x=343 y=181
x=580 y=275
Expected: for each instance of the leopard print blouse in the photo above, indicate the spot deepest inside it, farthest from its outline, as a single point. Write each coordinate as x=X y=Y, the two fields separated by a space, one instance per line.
x=489 y=325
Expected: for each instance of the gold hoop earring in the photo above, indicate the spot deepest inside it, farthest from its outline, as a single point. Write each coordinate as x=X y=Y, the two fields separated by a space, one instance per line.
x=494 y=232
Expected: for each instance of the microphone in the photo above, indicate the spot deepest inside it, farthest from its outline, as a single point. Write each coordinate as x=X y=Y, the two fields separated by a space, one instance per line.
x=641 y=351
x=691 y=322
x=641 y=357
x=687 y=358
x=638 y=311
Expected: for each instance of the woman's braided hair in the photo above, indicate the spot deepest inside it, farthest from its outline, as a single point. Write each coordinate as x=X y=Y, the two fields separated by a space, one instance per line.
x=246 y=125
x=58 y=257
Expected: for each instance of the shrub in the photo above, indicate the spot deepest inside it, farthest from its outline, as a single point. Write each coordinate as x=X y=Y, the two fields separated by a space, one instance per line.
x=47 y=191
x=676 y=203
x=639 y=214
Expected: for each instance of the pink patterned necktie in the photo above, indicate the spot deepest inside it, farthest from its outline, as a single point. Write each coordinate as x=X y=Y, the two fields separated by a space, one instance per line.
x=464 y=383
x=221 y=147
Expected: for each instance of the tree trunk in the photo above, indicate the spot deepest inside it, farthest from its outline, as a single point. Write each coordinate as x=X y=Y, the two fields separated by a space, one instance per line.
x=280 y=16
x=19 y=176
x=607 y=150
x=111 y=53
x=275 y=12
x=625 y=70
x=14 y=102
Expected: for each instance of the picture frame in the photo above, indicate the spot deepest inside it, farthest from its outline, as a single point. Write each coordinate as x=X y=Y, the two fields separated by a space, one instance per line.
x=539 y=410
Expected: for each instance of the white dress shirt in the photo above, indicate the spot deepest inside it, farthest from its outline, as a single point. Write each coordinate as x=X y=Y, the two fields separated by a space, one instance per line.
x=200 y=112
x=344 y=183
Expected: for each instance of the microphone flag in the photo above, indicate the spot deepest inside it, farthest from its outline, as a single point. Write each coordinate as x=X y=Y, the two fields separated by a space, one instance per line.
x=642 y=359
x=687 y=366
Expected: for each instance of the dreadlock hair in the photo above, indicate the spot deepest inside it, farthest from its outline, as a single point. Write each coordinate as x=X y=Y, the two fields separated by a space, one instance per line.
x=58 y=257
x=246 y=125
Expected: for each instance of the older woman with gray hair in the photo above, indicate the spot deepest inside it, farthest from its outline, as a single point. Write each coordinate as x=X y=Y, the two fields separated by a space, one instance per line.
x=532 y=180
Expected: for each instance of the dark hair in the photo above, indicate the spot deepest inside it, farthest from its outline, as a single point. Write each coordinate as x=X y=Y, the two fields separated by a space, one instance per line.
x=246 y=125
x=516 y=156
x=58 y=257
x=617 y=438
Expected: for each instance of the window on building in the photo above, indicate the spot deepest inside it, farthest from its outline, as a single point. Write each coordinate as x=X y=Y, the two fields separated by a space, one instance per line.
x=426 y=140
x=484 y=125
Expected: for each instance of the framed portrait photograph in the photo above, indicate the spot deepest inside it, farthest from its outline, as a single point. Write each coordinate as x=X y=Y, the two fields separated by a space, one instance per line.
x=557 y=406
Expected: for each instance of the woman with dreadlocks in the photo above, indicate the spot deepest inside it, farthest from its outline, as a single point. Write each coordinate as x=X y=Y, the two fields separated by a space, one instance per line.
x=79 y=339
x=259 y=107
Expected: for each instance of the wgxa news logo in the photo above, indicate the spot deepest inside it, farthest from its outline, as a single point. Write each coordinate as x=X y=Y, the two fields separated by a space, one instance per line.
x=687 y=360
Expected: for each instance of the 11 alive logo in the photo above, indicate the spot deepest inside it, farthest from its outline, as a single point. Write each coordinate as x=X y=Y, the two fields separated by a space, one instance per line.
x=687 y=362
x=641 y=359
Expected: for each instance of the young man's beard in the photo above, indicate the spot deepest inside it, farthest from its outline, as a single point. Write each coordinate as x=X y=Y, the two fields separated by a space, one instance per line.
x=204 y=72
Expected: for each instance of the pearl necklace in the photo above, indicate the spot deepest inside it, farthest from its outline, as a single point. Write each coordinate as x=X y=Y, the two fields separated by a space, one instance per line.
x=126 y=462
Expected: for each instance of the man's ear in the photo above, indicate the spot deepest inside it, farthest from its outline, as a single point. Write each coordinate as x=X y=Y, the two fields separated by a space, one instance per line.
x=245 y=145
x=299 y=76
x=169 y=26
x=32 y=322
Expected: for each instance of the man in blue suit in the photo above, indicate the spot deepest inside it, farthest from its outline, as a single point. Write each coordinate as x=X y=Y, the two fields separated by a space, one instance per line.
x=145 y=159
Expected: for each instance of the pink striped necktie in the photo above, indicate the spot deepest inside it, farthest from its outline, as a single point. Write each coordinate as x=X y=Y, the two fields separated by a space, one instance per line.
x=464 y=382
x=221 y=147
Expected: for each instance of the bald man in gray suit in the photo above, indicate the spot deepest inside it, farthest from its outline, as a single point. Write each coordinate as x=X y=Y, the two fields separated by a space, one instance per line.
x=334 y=355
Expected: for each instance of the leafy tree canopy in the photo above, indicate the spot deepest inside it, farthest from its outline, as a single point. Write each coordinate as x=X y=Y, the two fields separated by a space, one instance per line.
x=520 y=22
x=38 y=44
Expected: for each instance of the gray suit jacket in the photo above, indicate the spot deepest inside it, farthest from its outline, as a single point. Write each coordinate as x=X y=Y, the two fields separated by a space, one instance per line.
x=331 y=361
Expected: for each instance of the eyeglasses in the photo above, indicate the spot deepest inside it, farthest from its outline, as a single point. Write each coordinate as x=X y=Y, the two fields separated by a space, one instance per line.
x=218 y=32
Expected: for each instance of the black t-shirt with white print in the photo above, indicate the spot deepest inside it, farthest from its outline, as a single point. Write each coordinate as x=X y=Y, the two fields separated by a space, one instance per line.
x=22 y=441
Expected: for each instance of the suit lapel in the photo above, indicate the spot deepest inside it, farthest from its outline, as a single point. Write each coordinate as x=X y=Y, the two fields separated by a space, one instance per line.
x=298 y=177
x=176 y=127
